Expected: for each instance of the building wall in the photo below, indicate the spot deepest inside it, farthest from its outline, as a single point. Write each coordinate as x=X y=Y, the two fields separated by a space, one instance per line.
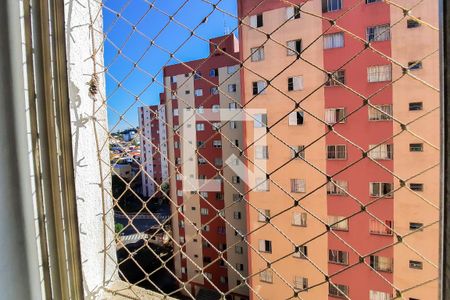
x=180 y=95
x=357 y=133
x=360 y=131
x=279 y=103
x=421 y=207
x=153 y=134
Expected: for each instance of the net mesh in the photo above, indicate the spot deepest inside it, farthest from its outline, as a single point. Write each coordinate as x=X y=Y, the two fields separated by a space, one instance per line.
x=151 y=248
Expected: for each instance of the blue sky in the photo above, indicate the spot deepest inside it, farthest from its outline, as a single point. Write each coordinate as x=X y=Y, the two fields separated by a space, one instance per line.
x=135 y=46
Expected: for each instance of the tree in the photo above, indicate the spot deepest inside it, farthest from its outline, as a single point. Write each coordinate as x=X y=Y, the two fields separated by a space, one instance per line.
x=118 y=227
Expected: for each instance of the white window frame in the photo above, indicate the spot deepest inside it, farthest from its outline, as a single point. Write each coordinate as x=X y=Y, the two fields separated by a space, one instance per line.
x=381 y=152
x=261 y=152
x=200 y=126
x=257 y=54
x=376 y=188
x=380 y=73
x=335 y=115
x=198 y=92
x=337 y=188
x=333 y=40
x=297 y=83
x=376 y=115
x=295 y=117
x=340 y=223
x=299 y=219
x=298 y=185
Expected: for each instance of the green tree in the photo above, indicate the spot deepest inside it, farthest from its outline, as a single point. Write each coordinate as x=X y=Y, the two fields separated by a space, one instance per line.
x=118 y=227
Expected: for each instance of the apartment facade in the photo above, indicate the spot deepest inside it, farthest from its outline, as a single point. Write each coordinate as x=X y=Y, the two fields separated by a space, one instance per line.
x=199 y=141
x=154 y=153
x=339 y=143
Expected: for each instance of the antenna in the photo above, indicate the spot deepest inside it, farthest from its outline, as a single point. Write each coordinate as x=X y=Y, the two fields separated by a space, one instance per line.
x=226 y=29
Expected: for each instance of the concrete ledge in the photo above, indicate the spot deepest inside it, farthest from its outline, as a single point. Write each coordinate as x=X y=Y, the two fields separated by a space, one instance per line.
x=120 y=290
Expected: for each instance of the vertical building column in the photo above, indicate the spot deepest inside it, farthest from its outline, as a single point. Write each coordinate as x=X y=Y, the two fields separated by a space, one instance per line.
x=89 y=122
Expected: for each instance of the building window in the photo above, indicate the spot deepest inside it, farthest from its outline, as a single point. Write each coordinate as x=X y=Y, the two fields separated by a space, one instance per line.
x=415 y=106
x=214 y=72
x=260 y=120
x=200 y=144
x=265 y=246
x=337 y=78
x=235 y=179
x=414 y=264
x=300 y=283
x=263 y=215
x=298 y=152
x=381 y=263
x=175 y=112
x=299 y=219
x=257 y=54
x=240 y=267
x=217 y=144
x=414 y=65
x=380 y=189
x=412 y=23
x=261 y=152
x=380 y=112
x=334 y=115
x=201 y=161
x=198 y=92
x=214 y=90
x=294 y=47
x=415 y=226
x=417 y=187
x=382 y=152
x=377 y=295
x=336 y=152
x=337 y=188
x=173 y=79
x=183 y=270
x=338 y=290
x=378 y=33
x=219 y=196
x=259 y=87
x=338 y=257
x=200 y=126
x=206 y=228
x=232 y=88
x=376 y=227
x=301 y=252
x=237 y=215
x=197 y=75
x=296 y=117
x=295 y=83
x=298 y=186
x=256 y=21
x=333 y=40
x=331 y=5
x=338 y=223
x=233 y=124
x=416 y=147
x=232 y=69
x=373 y=1
x=232 y=105
x=379 y=73
x=237 y=249
x=204 y=211
x=266 y=276
x=215 y=108
x=237 y=197
x=223 y=279
x=262 y=185
x=218 y=162
x=292 y=12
